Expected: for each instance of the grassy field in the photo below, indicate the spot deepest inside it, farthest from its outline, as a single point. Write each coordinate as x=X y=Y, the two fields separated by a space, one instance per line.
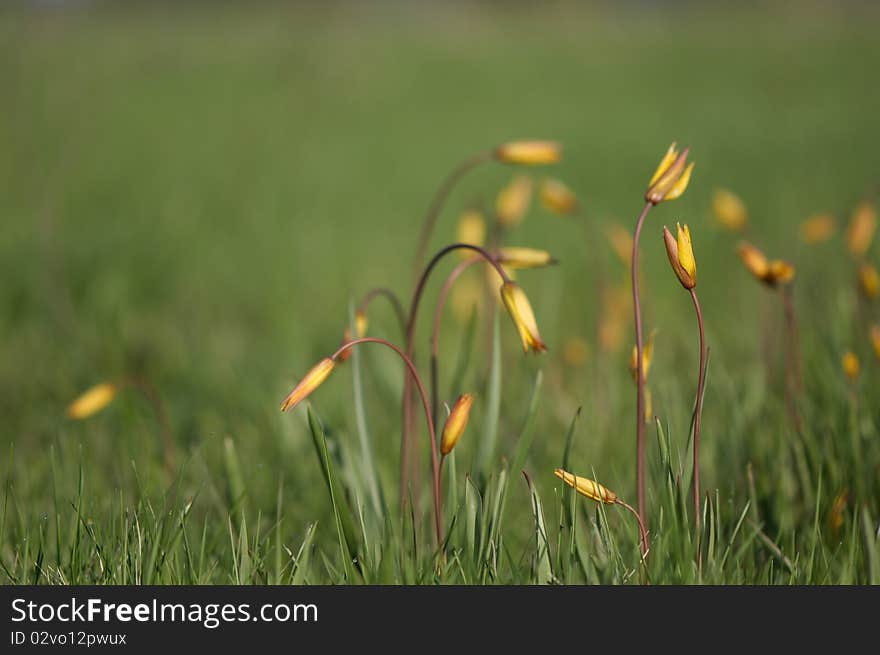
x=194 y=197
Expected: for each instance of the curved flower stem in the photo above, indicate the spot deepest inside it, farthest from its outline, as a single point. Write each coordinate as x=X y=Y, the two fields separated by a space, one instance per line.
x=640 y=377
x=414 y=374
x=435 y=335
x=697 y=413
x=440 y=199
x=410 y=347
x=643 y=531
x=392 y=298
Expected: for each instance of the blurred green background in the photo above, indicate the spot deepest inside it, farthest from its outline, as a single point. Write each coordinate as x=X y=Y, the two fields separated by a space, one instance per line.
x=195 y=194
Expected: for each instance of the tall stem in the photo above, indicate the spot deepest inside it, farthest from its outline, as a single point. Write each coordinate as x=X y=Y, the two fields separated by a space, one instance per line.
x=643 y=531
x=392 y=298
x=413 y=374
x=792 y=359
x=435 y=335
x=640 y=373
x=410 y=347
x=697 y=414
x=439 y=200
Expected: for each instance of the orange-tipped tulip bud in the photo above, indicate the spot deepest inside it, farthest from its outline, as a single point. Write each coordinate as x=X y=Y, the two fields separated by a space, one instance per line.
x=730 y=211
x=818 y=228
x=771 y=273
x=851 y=366
x=557 y=198
x=671 y=177
x=530 y=153
x=869 y=279
x=92 y=401
x=875 y=339
x=471 y=230
x=861 y=229
x=456 y=423
x=513 y=201
x=512 y=257
x=309 y=383
x=585 y=487
x=647 y=355
x=621 y=241
x=520 y=310
x=681 y=256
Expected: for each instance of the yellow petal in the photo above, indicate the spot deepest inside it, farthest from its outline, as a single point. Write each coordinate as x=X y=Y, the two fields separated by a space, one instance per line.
x=586 y=487
x=513 y=201
x=754 y=260
x=532 y=153
x=92 y=401
x=514 y=257
x=456 y=423
x=780 y=272
x=520 y=310
x=665 y=163
x=680 y=185
x=471 y=230
x=729 y=210
x=311 y=381
x=557 y=197
x=686 y=252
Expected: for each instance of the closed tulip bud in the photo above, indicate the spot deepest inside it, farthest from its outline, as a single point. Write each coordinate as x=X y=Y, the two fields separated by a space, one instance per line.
x=585 y=487
x=754 y=260
x=513 y=201
x=851 y=366
x=512 y=257
x=621 y=241
x=647 y=355
x=671 y=177
x=92 y=401
x=861 y=229
x=456 y=423
x=520 y=310
x=529 y=153
x=875 y=339
x=557 y=197
x=471 y=230
x=869 y=279
x=818 y=228
x=730 y=211
x=681 y=256
x=312 y=380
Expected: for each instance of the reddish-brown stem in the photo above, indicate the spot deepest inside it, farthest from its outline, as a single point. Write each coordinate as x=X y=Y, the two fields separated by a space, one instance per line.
x=640 y=373
x=439 y=200
x=643 y=531
x=413 y=374
x=435 y=334
x=697 y=413
x=392 y=298
x=792 y=358
x=410 y=346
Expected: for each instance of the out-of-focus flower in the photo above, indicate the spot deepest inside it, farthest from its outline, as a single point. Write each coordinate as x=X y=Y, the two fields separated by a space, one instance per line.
x=456 y=423
x=771 y=273
x=467 y=294
x=647 y=355
x=614 y=317
x=851 y=365
x=471 y=230
x=513 y=257
x=875 y=339
x=649 y=406
x=586 y=487
x=861 y=229
x=575 y=351
x=621 y=241
x=92 y=401
x=836 y=514
x=671 y=177
x=533 y=152
x=557 y=197
x=360 y=325
x=818 y=228
x=869 y=280
x=729 y=210
x=513 y=201
x=681 y=255
x=520 y=310
x=311 y=381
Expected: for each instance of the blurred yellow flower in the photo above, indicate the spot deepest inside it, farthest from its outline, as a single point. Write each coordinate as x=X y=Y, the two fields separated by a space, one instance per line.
x=520 y=310
x=875 y=339
x=621 y=241
x=818 y=228
x=532 y=152
x=513 y=257
x=869 y=279
x=557 y=197
x=671 y=177
x=614 y=317
x=861 y=229
x=456 y=423
x=851 y=365
x=92 y=401
x=729 y=210
x=513 y=201
x=575 y=351
x=471 y=230
x=360 y=324
x=771 y=273
x=586 y=487
x=467 y=294
x=647 y=355
x=311 y=381
x=836 y=514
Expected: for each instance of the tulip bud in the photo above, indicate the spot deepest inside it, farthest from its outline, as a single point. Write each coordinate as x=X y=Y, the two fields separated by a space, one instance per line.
x=851 y=366
x=671 y=177
x=754 y=260
x=92 y=401
x=513 y=201
x=780 y=272
x=818 y=228
x=515 y=258
x=520 y=310
x=529 y=152
x=557 y=198
x=312 y=380
x=729 y=210
x=471 y=230
x=456 y=423
x=681 y=256
x=869 y=279
x=861 y=229
x=586 y=487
